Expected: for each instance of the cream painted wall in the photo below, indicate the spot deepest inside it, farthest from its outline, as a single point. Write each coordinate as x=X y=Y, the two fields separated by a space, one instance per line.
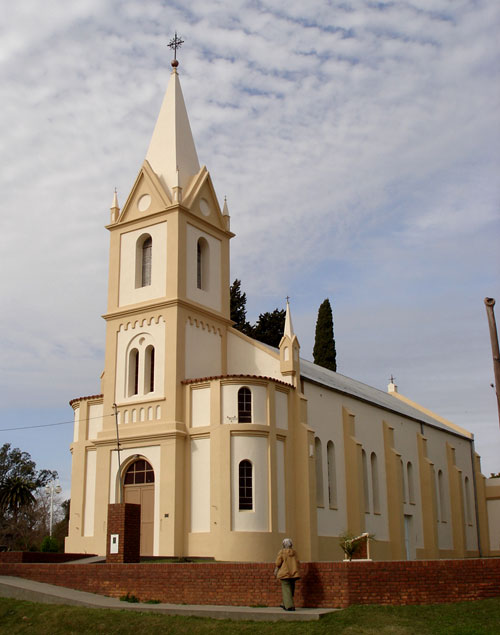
x=369 y=431
x=230 y=403
x=210 y=295
x=436 y=450
x=140 y=335
x=200 y=407
x=128 y=293
x=280 y=485
x=245 y=358
x=281 y=405
x=324 y=413
x=493 y=506
x=95 y=420
x=152 y=454
x=90 y=484
x=405 y=441
x=253 y=448
x=464 y=463
x=203 y=350
x=77 y=420
x=200 y=485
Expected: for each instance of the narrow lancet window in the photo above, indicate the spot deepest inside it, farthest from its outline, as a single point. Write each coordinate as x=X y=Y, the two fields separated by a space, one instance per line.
x=375 y=487
x=245 y=483
x=332 y=476
x=319 y=472
x=149 y=367
x=133 y=372
x=244 y=405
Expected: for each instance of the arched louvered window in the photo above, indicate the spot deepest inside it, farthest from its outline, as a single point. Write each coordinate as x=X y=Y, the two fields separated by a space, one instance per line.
x=133 y=372
x=149 y=368
x=244 y=405
x=375 y=486
x=245 y=485
x=332 y=476
x=202 y=264
x=319 y=472
x=147 y=252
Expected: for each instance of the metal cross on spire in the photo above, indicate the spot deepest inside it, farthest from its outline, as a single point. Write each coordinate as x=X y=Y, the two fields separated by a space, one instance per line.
x=175 y=43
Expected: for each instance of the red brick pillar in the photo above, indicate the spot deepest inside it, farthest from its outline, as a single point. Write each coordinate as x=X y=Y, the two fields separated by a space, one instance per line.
x=124 y=533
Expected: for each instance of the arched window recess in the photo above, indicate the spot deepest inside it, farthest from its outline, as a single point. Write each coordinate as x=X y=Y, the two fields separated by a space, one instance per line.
x=244 y=405
x=245 y=485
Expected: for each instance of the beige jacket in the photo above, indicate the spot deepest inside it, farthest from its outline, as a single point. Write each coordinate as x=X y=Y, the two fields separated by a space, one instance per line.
x=287 y=564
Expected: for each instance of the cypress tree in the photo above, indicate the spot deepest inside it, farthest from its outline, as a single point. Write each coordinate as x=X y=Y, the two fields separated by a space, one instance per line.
x=238 y=308
x=324 y=352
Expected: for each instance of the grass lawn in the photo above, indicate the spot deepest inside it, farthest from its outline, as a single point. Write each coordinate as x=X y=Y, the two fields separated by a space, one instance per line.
x=471 y=618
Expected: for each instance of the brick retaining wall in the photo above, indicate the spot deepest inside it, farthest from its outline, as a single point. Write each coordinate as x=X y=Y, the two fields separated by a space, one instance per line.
x=39 y=556
x=323 y=584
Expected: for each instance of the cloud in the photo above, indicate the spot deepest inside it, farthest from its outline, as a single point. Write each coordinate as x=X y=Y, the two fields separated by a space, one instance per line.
x=358 y=146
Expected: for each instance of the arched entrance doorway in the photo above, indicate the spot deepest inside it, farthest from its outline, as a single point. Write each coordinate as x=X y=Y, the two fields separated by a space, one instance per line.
x=139 y=488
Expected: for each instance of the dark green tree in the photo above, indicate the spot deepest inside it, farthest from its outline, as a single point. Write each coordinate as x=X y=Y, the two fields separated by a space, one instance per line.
x=269 y=327
x=324 y=352
x=17 y=464
x=238 y=308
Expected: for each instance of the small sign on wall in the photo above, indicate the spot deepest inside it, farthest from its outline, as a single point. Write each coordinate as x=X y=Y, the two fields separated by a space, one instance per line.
x=113 y=546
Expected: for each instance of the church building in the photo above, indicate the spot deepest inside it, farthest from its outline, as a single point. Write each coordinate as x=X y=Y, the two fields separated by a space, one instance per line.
x=228 y=444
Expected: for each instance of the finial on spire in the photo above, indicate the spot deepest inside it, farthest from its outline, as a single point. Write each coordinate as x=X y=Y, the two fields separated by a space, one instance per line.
x=175 y=43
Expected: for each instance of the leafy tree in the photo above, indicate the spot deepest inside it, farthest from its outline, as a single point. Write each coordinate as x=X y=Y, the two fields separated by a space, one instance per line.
x=269 y=327
x=23 y=509
x=324 y=352
x=238 y=307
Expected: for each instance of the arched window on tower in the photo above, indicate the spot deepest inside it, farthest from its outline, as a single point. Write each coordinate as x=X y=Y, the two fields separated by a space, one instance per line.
x=332 y=476
x=149 y=370
x=245 y=484
x=319 y=472
x=143 y=261
x=375 y=487
x=133 y=372
x=202 y=264
x=244 y=405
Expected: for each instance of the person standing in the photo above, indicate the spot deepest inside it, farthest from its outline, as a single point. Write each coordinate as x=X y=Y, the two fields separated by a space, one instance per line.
x=287 y=571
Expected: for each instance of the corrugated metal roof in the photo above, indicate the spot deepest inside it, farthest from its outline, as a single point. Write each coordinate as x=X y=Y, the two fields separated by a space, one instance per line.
x=358 y=390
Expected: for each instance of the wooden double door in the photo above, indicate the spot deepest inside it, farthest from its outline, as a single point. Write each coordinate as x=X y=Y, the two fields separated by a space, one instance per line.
x=139 y=489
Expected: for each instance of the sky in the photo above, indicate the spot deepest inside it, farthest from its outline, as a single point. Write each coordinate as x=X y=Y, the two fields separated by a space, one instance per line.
x=358 y=145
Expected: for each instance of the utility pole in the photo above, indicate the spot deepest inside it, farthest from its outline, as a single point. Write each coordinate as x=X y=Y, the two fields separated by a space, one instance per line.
x=490 y=303
x=120 y=484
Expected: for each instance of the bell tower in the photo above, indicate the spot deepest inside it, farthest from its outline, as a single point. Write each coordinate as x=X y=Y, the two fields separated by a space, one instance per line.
x=168 y=297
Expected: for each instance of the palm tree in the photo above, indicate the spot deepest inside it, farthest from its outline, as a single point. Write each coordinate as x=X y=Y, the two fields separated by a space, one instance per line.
x=16 y=492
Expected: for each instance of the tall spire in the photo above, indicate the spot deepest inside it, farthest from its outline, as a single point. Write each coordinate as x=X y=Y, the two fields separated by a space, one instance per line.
x=288 y=321
x=171 y=152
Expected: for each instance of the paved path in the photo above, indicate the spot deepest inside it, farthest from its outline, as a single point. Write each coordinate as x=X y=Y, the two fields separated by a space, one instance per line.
x=23 y=589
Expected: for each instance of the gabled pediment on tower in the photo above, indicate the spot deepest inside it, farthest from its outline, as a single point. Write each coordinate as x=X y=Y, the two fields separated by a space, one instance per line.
x=147 y=196
x=201 y=200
